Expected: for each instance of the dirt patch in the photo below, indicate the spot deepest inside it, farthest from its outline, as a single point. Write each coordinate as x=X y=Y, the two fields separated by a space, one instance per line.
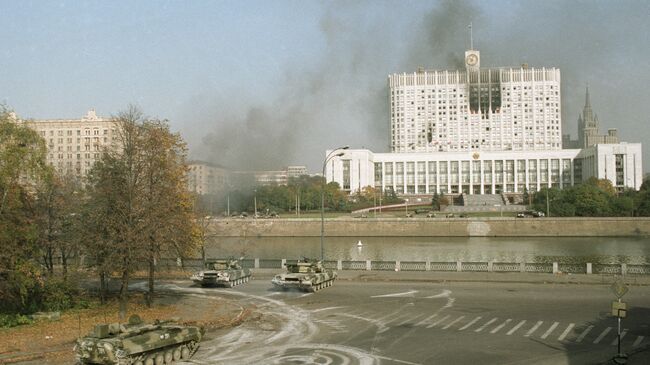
x=52 y=342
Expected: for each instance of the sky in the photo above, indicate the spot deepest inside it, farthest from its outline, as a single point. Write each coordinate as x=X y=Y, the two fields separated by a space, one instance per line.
x=266 y=84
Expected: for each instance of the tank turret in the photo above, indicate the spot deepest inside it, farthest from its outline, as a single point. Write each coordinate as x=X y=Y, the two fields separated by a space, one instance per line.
x=305 y=275
x=227 y=273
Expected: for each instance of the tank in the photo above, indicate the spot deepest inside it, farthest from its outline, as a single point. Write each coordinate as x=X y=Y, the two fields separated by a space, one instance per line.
x=305 y=275
x=222 y=273
x=138 y=343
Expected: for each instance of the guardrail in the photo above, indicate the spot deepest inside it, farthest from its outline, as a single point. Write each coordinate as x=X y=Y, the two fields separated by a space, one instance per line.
x=458 y=266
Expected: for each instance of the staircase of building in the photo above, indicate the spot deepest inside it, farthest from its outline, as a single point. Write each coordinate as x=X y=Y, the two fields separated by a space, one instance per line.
x=479 y=200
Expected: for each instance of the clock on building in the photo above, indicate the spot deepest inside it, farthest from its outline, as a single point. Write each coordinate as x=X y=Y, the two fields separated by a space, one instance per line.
x=471 y=59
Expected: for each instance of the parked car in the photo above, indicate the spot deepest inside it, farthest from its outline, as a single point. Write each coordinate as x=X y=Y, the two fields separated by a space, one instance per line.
x=521 y=215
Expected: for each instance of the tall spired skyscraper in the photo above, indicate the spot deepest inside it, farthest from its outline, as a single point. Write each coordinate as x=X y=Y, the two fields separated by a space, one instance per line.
x=589 y=128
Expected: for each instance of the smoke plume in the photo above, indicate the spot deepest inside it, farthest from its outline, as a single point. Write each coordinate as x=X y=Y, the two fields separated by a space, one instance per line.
x=343 y=98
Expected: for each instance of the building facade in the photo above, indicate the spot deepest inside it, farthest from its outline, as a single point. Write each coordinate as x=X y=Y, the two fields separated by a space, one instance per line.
x=487 y=172
x=485 y=131
x=73 y=145
x=206 y=178
x=475 y=109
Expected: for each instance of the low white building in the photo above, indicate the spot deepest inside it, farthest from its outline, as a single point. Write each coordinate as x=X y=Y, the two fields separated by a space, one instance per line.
x=489 y=172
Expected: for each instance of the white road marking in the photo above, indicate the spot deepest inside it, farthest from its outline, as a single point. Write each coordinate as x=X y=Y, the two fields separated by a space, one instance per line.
x=438 y=321
x=325 y=309
x=389 y=315
x=499 y=327
x=583 y=334
x=602 y=335
x=532 y=330
x=398 y=318
x=426 y=319
x=445 y=293
x=515 y=328
x=470 y=323
x=638 y=341
x=566 y=332
x=485 y=325
x=409 y=320
x=396 y=295
x=550 y=330
x=453 y=322
x=623 y=333
x=306 y=295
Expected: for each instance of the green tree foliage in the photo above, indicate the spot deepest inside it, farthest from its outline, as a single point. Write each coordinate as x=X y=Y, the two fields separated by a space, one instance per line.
x=594 y=198
x=22 y=166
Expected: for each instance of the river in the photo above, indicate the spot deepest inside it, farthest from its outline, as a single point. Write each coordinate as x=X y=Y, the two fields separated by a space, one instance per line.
x=603 y=250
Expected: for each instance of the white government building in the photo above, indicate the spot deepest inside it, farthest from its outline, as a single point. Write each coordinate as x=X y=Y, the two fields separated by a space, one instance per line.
x=481 y=131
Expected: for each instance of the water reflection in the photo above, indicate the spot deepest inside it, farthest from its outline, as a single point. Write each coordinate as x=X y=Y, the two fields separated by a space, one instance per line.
x=444 y=249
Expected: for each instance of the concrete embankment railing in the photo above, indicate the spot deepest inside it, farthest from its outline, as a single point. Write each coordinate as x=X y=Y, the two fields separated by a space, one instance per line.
x=433 y=227
x=457 y=266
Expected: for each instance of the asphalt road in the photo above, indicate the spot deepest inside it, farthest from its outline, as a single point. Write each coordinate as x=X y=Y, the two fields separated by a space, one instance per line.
x=363 y=323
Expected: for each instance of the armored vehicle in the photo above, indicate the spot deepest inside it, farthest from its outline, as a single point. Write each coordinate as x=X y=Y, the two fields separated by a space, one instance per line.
x=305 y=275
x=138 y=343
x=222 y=272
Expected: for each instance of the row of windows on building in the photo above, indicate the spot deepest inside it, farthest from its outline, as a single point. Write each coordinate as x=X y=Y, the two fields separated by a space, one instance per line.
x=478 y=177
x=70 y=132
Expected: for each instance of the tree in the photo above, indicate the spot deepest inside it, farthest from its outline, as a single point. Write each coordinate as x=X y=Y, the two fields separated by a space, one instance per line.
x=138 y=204
x=168 y=205
x=57 y=205
x=22 y=166
x=438 y=200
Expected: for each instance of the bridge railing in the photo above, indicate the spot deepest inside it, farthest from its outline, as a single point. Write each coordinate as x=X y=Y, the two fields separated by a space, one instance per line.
x=458 y=266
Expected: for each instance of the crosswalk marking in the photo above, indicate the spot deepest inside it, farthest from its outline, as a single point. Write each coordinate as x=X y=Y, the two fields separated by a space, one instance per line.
x=398 y=318
x=550 y=330
x=638 y=341
x=426 y=319
x=566 y=332
x=602 y=335
x=408 y=320
x=394 y=315
x=470 y=323
x=499 y=327
x=584 y=333
x=453 y=322
x=532 y=330
x=438 y=321
x=485 y=325
x=515 y=328
x=615 y=341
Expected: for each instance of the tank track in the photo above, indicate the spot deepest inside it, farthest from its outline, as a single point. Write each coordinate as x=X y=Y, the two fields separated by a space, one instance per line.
x=140 y=359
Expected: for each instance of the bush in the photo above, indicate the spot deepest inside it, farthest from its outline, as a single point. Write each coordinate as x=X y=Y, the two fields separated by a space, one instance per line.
x=13 y=320
x=59 y=295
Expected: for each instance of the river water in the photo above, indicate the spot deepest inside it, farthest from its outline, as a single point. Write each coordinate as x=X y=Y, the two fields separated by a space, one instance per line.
x=604 y=250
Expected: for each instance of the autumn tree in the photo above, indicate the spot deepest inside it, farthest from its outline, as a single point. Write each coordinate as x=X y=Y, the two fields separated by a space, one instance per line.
x=168 y=205
x=138 y=205
x=57 y=206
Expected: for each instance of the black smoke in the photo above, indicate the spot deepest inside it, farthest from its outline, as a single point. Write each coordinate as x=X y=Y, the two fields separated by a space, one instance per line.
x=343 y=98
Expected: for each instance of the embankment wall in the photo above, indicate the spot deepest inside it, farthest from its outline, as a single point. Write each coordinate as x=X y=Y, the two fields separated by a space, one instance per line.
x=434 y=227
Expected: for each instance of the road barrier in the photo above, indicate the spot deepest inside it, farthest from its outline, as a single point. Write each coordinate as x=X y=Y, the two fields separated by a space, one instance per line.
x=458 y=266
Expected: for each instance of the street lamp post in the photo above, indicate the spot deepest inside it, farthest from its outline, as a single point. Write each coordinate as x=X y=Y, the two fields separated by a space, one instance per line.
x=322 y=198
